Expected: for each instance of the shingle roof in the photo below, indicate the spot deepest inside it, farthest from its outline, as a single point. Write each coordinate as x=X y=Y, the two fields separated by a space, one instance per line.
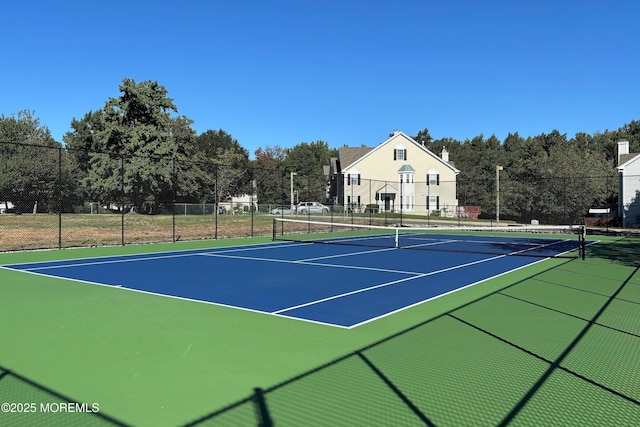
x=624 y=158
x=348 y=155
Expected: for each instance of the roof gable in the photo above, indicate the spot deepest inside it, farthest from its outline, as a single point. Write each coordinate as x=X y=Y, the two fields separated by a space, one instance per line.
x=349 y=155
x=627 y=159
x=396 y=138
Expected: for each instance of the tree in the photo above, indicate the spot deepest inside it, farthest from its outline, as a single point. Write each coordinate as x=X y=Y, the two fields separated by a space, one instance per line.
x=269 y=171
x=188 y=173
x=557 y=184
x=477 y=160
x=128 y=145
x=134 y=145
x=307 y=161
x=424 y=138
x=81 y=142
x=34 y=170
x=631 y=131
x=225 y=163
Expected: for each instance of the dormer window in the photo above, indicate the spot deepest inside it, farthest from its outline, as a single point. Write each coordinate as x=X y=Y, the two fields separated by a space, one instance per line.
x=400 y=152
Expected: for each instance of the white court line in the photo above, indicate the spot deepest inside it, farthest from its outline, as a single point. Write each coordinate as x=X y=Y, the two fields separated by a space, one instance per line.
x=348 y=254
x=140 y=257
x=443 y=242
x=382 y=285
x=264 y=246
x=441 y=295
x=455 y=290
x=555 y=242
x=113 y=261
x=218 y=304
x=319 y=264
x=355 y=238
x=261 y=247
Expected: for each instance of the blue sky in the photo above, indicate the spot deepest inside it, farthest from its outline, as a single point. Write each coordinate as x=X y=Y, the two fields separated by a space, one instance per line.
x=348 y=72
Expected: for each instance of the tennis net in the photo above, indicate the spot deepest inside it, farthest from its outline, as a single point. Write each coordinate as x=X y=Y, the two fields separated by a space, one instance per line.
x=531 y=241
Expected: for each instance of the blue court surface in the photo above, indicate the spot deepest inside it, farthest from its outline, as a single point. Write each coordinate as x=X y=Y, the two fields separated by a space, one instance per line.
x=343 y=286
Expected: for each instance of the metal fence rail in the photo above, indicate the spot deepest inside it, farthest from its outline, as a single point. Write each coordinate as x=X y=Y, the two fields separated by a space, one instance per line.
x=53 y=198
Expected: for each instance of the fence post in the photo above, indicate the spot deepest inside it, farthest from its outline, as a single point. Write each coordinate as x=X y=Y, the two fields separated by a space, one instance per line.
x=173 y=199
x=59 y=191
x=264 y=420
x=215 y=197
x=384 y=203
x=401 y=197
x=122 y=200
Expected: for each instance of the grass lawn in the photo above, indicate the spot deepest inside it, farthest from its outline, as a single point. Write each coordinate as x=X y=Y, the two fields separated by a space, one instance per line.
x=41 y=231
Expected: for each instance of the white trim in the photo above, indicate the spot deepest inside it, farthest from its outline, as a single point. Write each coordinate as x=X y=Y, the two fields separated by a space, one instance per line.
x=628 y=163
x=411 y=140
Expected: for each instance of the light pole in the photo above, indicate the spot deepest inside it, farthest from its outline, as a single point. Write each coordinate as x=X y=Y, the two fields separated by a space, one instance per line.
x=292 y=174
x=498 y=169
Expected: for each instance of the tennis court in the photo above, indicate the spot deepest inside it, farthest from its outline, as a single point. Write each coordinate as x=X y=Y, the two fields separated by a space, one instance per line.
x=407 y=328
x=339 y=285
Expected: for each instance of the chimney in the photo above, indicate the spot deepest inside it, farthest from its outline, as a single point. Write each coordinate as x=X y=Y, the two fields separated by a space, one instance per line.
x=623 y=148
x=444 y=155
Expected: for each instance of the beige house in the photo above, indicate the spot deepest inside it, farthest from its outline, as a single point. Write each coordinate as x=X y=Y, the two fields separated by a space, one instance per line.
x=629 y=185
x=399 y=175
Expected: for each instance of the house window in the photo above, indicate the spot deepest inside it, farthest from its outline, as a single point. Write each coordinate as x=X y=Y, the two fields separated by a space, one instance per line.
x=400 y=153
x=353 y=203
x=407 y=178
x=433 y=203
x=433 y=177
x=353 y=178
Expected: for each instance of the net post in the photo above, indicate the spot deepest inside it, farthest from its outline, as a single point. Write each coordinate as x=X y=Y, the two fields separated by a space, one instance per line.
x=397 y=238
x=274 y=231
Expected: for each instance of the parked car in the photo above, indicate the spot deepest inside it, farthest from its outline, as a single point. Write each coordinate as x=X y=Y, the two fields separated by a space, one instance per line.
x=282 y=210
x=312 y=207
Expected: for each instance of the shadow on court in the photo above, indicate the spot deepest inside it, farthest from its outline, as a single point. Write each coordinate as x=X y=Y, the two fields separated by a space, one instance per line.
x=561 y=344
x=624 y=250
x=532 y=353
x=26 y=402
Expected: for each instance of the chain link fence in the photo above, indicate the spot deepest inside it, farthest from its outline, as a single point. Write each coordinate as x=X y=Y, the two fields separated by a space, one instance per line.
x=51 y=197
